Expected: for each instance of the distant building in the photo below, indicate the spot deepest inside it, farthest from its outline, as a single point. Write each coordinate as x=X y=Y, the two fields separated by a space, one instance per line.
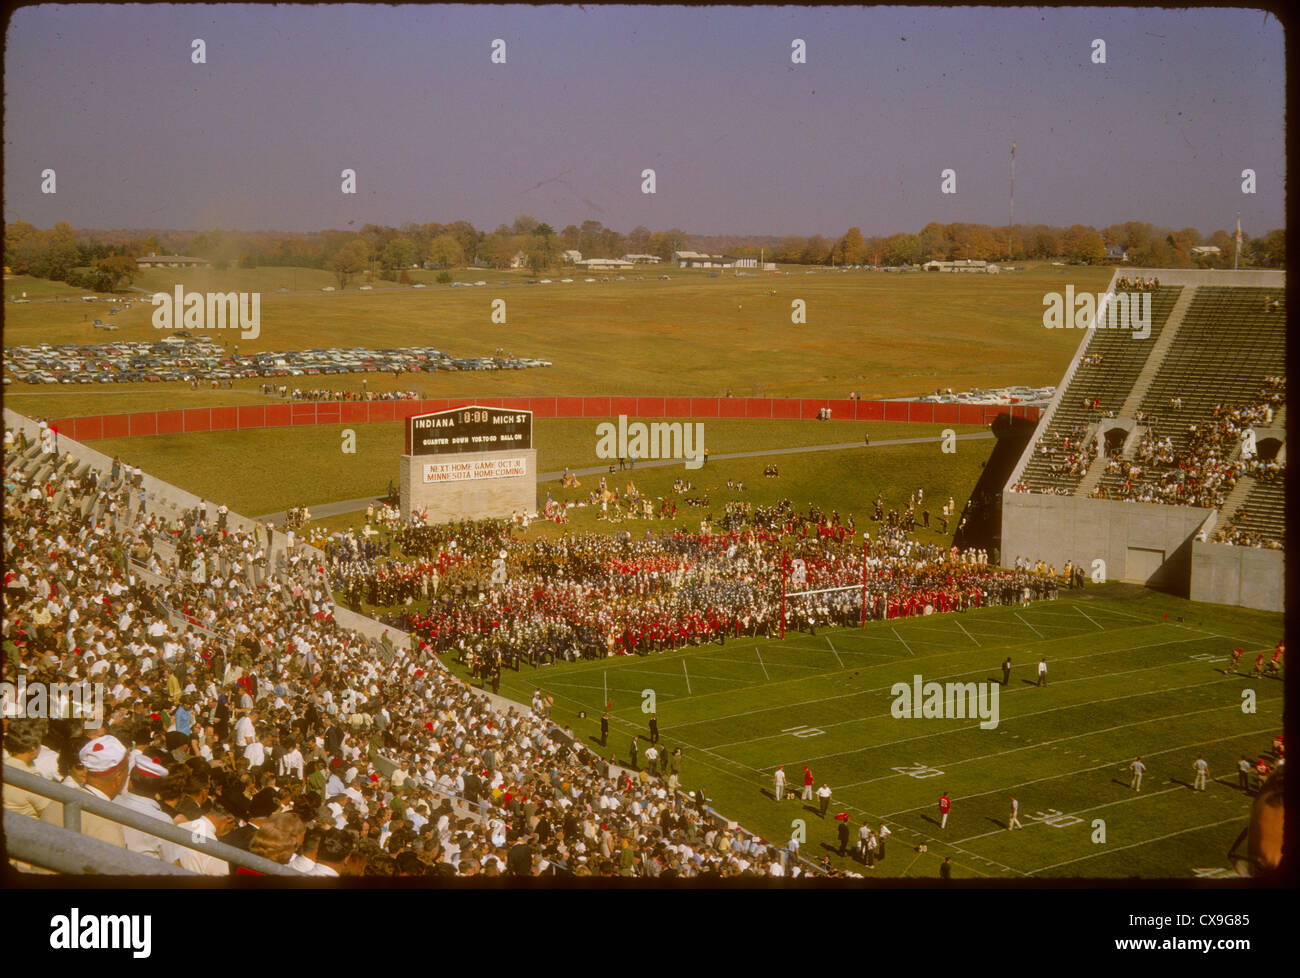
x=1206 y=251
x=603 y=263
x=171 y=261
x=698 y=259
x=961 y=265
x=572 y=256
x=643 y=259
x=1116 y=253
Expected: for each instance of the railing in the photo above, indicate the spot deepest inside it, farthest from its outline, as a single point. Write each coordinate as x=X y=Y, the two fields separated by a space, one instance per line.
x=74 y=801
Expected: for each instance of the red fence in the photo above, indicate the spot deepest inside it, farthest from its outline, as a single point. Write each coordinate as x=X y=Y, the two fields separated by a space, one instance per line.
x=295 y=413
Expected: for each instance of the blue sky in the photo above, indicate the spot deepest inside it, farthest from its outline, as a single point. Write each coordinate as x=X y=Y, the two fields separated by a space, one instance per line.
x=742 y=140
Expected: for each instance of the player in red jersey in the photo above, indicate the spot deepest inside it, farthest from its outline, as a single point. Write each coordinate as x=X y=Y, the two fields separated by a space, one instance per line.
x=1236 y=660
x=945 y=806
x=1275 y=663
x=1259 y=665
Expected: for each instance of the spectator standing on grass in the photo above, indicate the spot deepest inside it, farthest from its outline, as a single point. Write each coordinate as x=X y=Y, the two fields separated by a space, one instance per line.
x=807 y=783
x=945 y=870
x=881 y=836
x=1006 y=671
x=823 y=799
x=1042 y=671
x=1243 y=774
x=1014 y=821
x=778 y=783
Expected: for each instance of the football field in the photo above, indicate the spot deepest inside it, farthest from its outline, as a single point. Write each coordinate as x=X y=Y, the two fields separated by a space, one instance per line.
x=1126 y=676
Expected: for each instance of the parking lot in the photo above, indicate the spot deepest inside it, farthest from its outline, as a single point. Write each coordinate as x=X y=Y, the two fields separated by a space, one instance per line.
x=184 y=357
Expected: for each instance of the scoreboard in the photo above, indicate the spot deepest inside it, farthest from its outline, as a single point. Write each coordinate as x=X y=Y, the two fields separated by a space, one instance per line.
x=469 y=429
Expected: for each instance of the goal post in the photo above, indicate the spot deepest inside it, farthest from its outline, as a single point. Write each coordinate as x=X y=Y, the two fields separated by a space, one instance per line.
x=796 y=565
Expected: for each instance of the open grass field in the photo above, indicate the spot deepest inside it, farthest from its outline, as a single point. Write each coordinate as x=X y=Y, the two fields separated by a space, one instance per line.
x=880 y=334
x=269 y=470
x=1123 y=681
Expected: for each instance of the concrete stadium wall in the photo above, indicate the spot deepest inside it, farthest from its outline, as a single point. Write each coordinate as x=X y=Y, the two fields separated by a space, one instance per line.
x=474 y=499
x=294 y=413
x=1145 y=543
x=1240 y=576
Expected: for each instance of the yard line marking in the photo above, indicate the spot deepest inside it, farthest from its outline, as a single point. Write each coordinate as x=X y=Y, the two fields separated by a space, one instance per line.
x=1086 y=615
x=688 y=678
x=1081 y=811
x=941 y=733
x=1194 y=828
x=937 y=655
x=1030 y=627
x=783 y=665
x=1116 y=611
x=837 y=655
x=1086 y=770
x=1041 y=743
x=935 y=839
x=900 y=638
x=977 y=642
x=760 y=662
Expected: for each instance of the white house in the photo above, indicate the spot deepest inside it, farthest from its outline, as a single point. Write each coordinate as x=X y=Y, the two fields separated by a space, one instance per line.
x=572 y=256
x=170 y=261
x=604 y=263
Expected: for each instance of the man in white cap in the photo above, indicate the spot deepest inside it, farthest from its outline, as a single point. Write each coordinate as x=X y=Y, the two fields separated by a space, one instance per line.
x=104 y=760
x=142 y=797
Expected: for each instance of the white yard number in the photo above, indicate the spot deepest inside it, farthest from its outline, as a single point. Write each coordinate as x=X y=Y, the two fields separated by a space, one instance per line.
x=803 y=731
x=918 y=771
x=1206 y=657
x=1055 y=818
x=798 y=571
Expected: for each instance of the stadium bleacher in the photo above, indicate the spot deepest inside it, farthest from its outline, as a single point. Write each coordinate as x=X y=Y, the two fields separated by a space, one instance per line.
x=1108 y=367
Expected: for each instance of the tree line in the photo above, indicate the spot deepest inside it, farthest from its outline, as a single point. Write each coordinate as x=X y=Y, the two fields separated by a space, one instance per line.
x=105 y=260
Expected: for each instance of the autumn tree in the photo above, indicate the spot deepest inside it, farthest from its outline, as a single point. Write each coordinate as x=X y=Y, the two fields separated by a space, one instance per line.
x=350 y=260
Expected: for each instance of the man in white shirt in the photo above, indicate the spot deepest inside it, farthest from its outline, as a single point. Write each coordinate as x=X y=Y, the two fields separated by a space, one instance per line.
x=292 y=763
x=1202 y=772
x=141 y=797
x=216 y=823
x=244 y=734
x=255 y=754
x=1138 y=768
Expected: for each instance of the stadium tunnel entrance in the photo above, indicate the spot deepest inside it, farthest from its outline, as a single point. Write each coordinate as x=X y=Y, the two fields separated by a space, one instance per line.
x=983 y=513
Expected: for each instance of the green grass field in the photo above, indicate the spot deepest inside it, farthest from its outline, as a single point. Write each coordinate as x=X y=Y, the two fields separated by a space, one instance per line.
x=1122 y=681
x=278 y=468
x=880 y=334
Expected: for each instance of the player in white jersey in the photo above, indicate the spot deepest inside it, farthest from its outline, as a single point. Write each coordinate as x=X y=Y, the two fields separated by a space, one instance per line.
x=1138 y=768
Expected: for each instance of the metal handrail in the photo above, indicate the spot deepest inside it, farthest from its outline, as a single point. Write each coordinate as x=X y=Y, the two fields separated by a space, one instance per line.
x=75 y=800
x=42 y=846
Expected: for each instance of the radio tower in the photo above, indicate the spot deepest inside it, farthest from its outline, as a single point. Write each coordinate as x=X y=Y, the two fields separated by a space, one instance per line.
x=1011 y=220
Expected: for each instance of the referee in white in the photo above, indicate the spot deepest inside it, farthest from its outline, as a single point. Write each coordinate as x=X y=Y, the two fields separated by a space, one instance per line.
x=1014 y=821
